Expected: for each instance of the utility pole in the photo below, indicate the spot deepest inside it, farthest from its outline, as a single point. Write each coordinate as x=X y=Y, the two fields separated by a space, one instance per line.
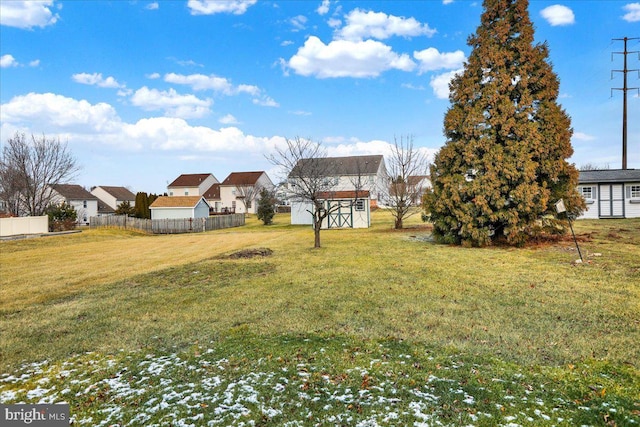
x=624 y=90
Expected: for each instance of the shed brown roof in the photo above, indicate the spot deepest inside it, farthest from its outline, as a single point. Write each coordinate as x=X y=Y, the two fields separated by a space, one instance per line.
x=190 y=180
x=176 y=202
x=242 y=178
x=120 y=193
x=73 y=192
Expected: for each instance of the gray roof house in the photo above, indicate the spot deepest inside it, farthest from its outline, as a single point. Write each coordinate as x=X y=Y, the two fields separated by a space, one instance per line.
x=610 y=193
x=85 y=203
x=113 y=196
x=344 y=175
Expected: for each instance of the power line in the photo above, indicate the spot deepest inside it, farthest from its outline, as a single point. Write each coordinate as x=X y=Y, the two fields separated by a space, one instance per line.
x=624 y=90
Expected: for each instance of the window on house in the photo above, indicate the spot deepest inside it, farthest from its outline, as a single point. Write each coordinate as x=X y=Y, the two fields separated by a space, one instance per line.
x=635 y=191
x=84 y=204
x=186 y=193
x=360 y=205
x=587 y=193
x=171 y=193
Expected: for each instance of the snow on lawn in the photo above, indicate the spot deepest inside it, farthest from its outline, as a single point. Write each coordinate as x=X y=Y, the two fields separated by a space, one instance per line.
x=201 y=387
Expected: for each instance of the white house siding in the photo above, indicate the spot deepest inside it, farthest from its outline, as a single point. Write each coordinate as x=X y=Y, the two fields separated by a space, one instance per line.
x=101 y=194
x=85 y=209
x=300 y=213
x=350 y=216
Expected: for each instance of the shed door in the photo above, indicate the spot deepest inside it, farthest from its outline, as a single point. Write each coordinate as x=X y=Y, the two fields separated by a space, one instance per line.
x=341 y=215
x=611 y=201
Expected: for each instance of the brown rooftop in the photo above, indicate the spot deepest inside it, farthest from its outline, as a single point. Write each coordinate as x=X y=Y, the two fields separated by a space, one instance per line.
x=73 y=192
x=190 y=180
x=213 y=193
x=242 y=178
x=176 y=202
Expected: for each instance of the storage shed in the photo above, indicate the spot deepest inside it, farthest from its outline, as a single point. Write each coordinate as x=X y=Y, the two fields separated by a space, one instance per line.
x=176 y=207
x=610 y=193
x=345 y=210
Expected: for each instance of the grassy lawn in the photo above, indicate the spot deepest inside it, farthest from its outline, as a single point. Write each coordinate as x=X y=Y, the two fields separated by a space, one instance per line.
x=378 y=327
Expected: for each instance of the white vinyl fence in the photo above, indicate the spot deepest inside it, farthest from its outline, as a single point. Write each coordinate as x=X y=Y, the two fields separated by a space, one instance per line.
x=24 y=225
x=169 y=226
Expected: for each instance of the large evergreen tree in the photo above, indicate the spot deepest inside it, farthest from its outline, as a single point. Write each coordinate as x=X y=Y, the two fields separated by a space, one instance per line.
x=504 y=162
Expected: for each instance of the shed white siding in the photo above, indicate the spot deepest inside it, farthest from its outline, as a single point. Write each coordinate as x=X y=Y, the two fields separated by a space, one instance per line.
x=610 y=193
x=199 y=210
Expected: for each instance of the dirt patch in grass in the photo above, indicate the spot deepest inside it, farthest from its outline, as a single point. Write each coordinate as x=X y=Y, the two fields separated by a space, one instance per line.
x=250 y=253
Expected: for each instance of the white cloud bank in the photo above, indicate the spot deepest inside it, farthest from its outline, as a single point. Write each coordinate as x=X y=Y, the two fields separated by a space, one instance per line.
x=558 y=14
x=78 y=121
x=378 y=25
x=171 y=102
x=27 y=14
x=344 y=58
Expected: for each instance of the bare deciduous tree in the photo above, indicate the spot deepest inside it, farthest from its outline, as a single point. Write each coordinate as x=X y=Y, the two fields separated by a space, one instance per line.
x=247 y=194
x=407 y=168
x=29 y=168
x=311 y=179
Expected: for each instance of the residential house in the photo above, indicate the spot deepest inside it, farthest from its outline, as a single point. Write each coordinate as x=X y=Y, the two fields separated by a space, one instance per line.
x=212 y=196
x=113 y=196
x=365 y=175
x=191 y=184
x=85 y=203
x=610 y=193
x=178 y=207
x=240 y=191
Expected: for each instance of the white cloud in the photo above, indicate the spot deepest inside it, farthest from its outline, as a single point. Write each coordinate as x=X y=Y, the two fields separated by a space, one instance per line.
x=362 y=25
x=265 y=101
x=81 y=122
x=558 y=15
x=447 y=1
x=228 y=119
x=34 y=63
x=633 y=12
x=96 y=79
x=153 y=6
x=344 y=58
x=412 y=87
x=440 y=83
x=323 y=9
x=172 y=103
x=581 y=136
x=210 y=7
x=430 y=59
x=7 y=61
x=211 y=82
x=299 y=22
x=59 y=114
x=27 y=14
x=354 y=147
x=153 y=76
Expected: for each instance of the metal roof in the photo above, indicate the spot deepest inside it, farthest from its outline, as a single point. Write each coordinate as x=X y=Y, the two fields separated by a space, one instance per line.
x=609 y=175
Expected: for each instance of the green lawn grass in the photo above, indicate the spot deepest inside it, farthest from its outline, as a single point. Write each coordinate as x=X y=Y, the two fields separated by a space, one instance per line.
x=429 y=333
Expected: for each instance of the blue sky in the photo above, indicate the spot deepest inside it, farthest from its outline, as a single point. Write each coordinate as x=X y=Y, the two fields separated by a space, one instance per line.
x=144 y=91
